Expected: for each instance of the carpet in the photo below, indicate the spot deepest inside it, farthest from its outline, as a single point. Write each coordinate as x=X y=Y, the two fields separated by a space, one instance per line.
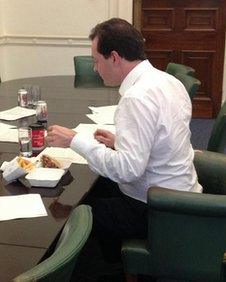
x=200 y=132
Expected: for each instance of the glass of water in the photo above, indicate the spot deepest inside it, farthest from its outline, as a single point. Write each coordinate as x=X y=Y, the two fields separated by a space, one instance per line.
x=25 y=144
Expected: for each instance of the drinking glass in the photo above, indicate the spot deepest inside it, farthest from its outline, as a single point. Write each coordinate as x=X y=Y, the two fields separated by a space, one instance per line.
x=25 y=144
x=35 y=95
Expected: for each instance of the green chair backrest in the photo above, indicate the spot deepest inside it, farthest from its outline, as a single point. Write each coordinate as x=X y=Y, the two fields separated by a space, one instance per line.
x=186 y=234
x=85 y=76
x=217 y=141
x=190 y=83
x=210 y=168
x=173 y=69
x=84 y=66
x=59 y=266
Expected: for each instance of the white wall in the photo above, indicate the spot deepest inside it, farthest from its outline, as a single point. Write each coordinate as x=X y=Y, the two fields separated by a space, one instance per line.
x=1 y=26
x=1 y=33
x=53 y=17
x=41 y=37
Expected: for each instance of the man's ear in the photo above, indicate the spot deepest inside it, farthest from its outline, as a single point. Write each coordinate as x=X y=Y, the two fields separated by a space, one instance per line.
x=115 y=57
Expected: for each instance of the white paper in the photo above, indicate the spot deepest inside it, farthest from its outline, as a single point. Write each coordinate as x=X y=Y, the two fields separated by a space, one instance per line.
x=67 y=153
x=8 y=133
x=102 y=118
x=5 y=126
x=22 y=206
x=96 y=110
x=90 y=128
x=16 y=113
x=102 y=115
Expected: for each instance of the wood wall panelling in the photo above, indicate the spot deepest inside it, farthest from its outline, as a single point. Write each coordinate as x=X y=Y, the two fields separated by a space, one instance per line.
x=190 y=32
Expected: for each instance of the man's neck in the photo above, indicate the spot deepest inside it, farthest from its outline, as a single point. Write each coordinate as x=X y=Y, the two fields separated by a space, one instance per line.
x=127 y=66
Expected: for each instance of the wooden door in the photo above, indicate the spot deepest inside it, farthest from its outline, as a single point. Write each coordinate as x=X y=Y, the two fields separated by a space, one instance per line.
x=191 y=32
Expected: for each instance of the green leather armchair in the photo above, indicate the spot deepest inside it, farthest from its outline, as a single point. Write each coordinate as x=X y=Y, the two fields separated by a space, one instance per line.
x=186 y=232
x=190 y=83
x=84 y=72
x=59 y=266
x=217 y=141
x=173 y=69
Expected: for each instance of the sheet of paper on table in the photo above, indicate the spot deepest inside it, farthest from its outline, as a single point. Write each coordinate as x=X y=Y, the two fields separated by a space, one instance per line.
x=102 y=118
x=22 y=206
x=16 y=113
x=90 y=128
x=8 y=133
x=97 y=110
x=102 y=115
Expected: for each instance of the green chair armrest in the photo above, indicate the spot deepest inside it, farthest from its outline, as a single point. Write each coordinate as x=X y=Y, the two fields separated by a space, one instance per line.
x=223 y=269
x=217 y=141
x=135 y=256
x=211 y=170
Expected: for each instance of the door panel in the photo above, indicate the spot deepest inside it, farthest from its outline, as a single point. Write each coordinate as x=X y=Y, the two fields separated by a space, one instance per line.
x=190 y=32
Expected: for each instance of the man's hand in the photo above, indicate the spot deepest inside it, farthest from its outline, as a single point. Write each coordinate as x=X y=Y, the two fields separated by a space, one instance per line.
x=105 y=137
x=59 y=136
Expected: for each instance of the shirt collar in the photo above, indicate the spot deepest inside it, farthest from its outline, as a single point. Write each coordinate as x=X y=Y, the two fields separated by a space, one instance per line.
x=133 y=75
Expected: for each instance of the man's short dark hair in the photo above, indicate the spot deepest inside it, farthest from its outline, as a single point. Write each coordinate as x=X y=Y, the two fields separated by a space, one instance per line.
x=120 y=36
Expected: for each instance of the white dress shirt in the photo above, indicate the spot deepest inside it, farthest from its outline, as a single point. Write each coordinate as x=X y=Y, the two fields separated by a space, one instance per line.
x=152 y=140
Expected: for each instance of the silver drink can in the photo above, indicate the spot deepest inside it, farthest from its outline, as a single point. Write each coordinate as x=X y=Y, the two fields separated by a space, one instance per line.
x=22 y=98
x=41 y=111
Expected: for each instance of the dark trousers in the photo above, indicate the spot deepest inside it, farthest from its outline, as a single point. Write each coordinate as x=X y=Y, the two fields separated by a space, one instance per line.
x=115 y=217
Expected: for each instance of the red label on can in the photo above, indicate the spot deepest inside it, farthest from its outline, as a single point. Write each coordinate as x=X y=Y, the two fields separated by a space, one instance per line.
x=38 y=138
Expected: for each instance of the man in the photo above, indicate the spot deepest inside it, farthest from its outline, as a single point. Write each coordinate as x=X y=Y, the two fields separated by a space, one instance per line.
x=151 y=145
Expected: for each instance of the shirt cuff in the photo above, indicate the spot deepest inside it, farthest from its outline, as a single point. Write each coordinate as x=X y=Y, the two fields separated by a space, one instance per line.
x=82 y=144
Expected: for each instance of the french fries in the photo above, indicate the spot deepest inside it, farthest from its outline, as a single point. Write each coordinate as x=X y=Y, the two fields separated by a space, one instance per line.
x=25 y=164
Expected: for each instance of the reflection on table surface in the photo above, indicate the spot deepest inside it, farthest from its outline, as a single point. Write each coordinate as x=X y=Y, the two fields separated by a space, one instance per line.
x=67 y=105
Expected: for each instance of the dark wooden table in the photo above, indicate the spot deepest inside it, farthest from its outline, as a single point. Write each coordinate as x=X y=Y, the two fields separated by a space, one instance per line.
x=24 y=242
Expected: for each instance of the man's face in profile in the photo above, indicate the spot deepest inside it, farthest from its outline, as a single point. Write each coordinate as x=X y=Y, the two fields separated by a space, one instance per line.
x=105 y=67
